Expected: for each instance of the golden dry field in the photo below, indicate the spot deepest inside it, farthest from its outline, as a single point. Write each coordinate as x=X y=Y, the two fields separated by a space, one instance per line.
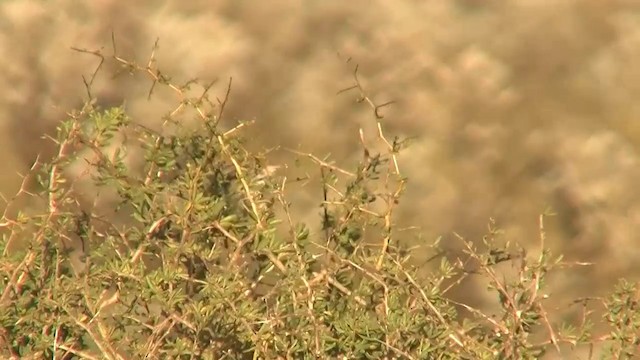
x=516 y=106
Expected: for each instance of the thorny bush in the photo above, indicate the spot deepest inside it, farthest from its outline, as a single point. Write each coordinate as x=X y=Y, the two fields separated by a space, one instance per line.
x=198 y=256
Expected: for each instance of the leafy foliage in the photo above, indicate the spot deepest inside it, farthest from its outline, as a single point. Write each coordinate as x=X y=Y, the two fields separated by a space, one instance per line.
x=211 y=264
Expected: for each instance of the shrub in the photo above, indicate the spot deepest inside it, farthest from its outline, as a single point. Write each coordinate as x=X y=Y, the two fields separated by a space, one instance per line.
x=199 y=256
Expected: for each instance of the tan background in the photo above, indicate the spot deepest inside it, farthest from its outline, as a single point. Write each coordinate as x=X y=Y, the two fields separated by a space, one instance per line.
x=517 y=107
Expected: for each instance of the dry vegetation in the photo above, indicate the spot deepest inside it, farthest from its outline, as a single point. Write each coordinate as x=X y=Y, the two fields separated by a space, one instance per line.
x=516 y=108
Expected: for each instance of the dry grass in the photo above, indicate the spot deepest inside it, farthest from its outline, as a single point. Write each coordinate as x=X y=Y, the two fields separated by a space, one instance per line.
x=516 y=108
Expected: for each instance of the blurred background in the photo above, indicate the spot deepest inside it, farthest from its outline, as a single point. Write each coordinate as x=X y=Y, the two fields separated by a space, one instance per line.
x=516 y=106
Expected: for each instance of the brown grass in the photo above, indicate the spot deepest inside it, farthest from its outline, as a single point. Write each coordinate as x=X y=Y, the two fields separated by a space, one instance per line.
x=516 y=108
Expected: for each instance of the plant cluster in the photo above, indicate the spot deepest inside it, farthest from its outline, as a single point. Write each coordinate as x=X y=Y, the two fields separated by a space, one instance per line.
x=211 y=263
